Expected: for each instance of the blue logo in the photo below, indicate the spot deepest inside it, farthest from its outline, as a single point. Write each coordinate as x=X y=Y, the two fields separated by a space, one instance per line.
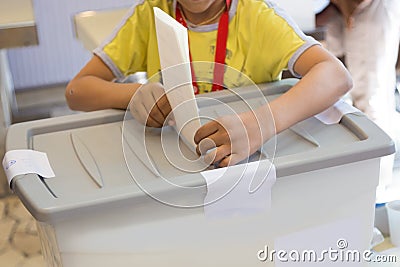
x=10 y=163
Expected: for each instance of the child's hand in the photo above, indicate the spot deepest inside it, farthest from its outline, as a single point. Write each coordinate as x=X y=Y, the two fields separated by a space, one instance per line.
x=235 y=138
x=150 y=105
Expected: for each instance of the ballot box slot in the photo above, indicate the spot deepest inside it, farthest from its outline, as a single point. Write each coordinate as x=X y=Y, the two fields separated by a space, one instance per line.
x=347 y=122
x=42 y=179
x=250 y=92
x=87 y=159
x=134 y=148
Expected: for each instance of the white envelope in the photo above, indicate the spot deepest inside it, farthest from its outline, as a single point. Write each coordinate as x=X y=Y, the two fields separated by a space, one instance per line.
x=173 y=48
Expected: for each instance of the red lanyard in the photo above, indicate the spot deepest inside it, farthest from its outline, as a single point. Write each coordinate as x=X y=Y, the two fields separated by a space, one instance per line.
x=220 y=51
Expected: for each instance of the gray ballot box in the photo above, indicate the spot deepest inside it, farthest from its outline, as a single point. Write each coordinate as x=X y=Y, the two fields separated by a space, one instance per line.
x=108 y=206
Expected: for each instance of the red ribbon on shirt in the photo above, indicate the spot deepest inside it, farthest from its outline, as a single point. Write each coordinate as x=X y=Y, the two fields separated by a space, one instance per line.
x=220 y=51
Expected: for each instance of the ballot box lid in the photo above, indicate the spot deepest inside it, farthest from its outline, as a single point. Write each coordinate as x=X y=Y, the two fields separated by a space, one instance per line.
x=98 y=162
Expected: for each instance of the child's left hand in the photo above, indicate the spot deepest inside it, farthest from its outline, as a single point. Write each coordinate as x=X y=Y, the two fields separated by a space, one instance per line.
x=234 y=137
x=149 y=105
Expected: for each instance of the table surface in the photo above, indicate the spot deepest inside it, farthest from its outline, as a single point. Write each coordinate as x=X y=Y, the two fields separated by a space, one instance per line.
x=92 y=27
x=385 y=245
x=16 y=13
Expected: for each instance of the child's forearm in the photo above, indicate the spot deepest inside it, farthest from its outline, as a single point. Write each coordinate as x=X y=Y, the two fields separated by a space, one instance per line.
x=323 y=85
x=89 y=93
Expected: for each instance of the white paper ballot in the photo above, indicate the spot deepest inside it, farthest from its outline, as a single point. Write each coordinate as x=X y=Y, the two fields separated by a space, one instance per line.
x=24 y=161
x=239 y=190
x=335 y=113
x=173 y=47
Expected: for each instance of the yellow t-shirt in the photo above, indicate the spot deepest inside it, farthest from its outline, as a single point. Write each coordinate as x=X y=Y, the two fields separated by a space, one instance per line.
x=262 y=41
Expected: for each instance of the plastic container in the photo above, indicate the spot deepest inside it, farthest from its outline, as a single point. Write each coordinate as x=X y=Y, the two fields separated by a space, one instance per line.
x=324 y=195
x=393 y=211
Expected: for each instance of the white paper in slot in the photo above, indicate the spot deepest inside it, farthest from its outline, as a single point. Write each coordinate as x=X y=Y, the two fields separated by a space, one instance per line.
x=335 y=113
x=24 y=161
x=239 y=190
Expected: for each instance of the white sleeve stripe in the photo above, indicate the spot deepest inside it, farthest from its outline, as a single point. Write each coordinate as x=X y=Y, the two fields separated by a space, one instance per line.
x=284 y=15
x=99 y=51
x=123 y=21
x=309 y=41
x=298 y=53
x=108 y=61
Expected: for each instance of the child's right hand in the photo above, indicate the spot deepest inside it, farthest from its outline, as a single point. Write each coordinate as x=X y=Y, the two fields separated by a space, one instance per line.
x=150 y=105
x=235 y=137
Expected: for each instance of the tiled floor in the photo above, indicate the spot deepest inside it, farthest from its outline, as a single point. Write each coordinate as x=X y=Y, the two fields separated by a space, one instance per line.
x=19 y=241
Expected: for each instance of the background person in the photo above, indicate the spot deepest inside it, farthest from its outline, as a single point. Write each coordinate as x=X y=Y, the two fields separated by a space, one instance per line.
x=366 y=33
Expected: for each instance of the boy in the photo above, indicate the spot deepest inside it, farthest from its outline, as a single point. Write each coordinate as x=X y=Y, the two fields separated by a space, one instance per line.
x=261 y=42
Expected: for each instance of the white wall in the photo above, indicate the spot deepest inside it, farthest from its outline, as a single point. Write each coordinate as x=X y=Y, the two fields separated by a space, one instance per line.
x=59 y=55
x=302 y=11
